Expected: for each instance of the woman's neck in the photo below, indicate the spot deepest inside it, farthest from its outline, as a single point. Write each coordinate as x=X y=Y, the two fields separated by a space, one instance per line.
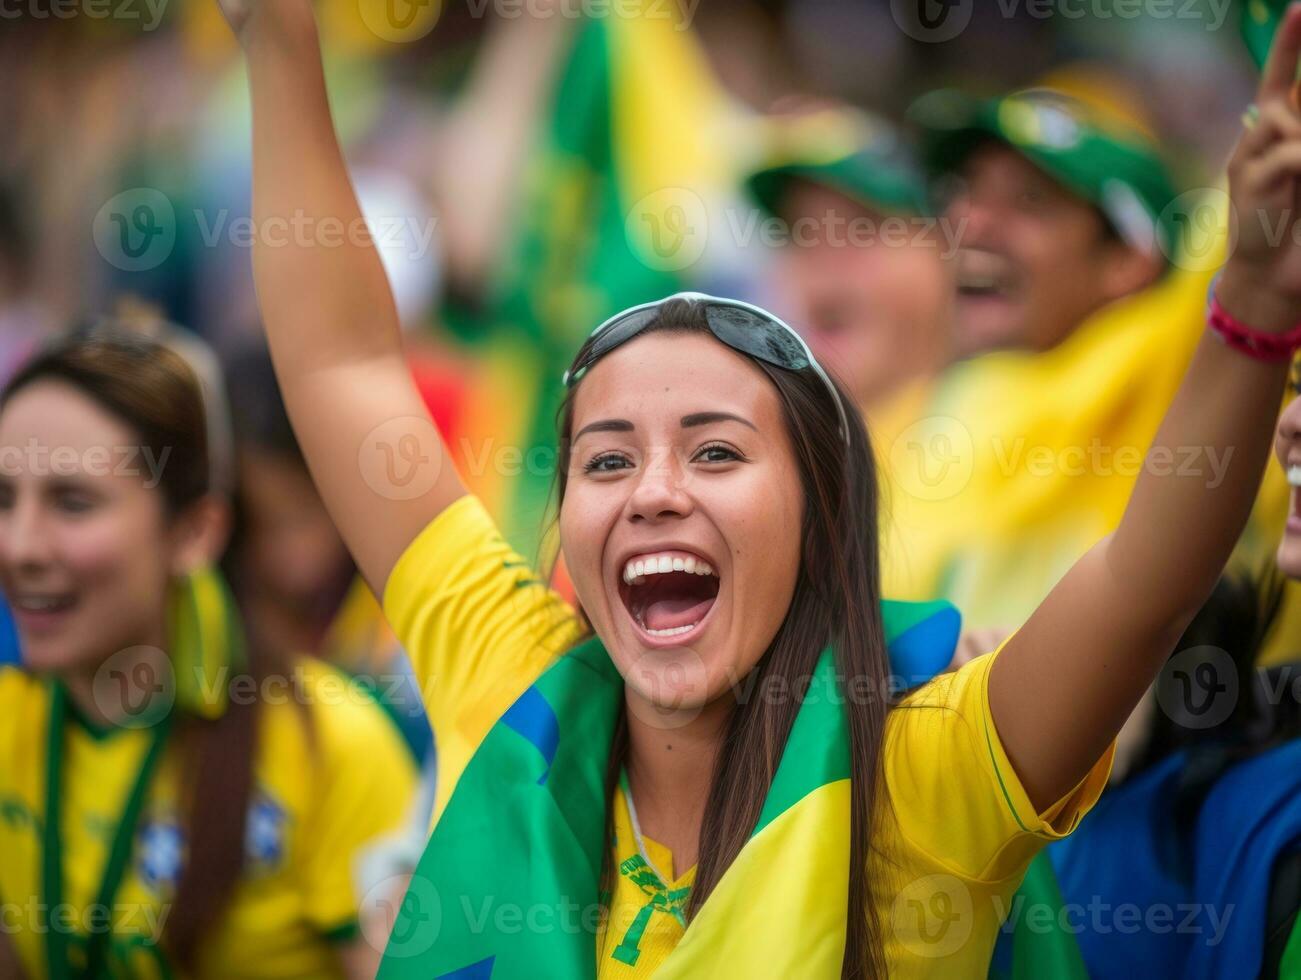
x=670 y=768
x=110 y=690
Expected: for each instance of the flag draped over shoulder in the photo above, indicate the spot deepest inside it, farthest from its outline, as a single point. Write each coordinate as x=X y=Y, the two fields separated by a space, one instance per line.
x=612 y=212
x=510 y=881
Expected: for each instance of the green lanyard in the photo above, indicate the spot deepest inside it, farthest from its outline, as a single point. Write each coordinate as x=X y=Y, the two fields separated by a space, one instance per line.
x=56 y=939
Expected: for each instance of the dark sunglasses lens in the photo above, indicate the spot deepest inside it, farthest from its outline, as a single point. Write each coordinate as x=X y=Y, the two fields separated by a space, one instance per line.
x=757 y=336
x=619 y=332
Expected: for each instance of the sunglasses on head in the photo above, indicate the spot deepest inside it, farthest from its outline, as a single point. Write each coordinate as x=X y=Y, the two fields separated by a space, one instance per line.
x=747 y=329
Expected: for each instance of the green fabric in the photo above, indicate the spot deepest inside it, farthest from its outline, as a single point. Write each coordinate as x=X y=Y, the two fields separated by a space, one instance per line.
x=1121 y=173
x=1039 y=952
x=525 y=832
x=1289 y=967
x=1260 y=19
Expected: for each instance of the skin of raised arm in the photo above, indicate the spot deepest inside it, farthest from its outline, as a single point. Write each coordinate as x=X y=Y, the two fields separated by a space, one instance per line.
x=1064 y=684
x=330 y=317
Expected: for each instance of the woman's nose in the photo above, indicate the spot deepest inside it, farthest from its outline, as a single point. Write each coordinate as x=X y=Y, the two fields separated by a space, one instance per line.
x=661 y=489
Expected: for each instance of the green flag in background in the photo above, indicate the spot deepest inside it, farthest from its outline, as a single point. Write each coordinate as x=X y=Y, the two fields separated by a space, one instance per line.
x=612 y=212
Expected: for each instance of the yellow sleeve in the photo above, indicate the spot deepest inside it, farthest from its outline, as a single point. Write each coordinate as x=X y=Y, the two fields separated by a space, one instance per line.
x=367 y=780
x=953 y=790
x=479 y=626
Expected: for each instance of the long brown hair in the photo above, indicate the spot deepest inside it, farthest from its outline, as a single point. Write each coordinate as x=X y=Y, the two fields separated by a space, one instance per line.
x=836 y=602
x=153 y=390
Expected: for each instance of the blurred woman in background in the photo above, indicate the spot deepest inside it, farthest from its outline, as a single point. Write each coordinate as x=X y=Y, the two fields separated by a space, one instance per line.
x=179 y=802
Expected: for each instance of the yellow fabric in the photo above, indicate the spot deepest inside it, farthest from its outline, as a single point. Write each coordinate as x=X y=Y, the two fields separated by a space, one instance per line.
x=480 y=628
x=1012 y=465
x=327 y=787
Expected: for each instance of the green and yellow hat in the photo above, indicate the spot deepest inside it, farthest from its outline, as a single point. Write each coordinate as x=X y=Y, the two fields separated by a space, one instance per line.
x=1117 y=169
x=862 y=156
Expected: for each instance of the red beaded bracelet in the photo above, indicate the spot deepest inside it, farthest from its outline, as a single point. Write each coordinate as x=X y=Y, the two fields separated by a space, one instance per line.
x=1260 y=344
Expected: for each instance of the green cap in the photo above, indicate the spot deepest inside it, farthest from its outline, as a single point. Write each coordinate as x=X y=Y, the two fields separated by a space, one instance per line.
x=871 y=164
x=1260 y=19
x=1120 y=172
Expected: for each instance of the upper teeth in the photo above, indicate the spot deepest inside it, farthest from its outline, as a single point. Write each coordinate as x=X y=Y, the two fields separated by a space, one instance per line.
x=36 y=603
x=658 y=564
x=1294 y=475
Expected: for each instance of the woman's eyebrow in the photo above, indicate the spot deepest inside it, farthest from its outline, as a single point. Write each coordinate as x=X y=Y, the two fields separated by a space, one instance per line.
x=706 y=418
x=605 y=425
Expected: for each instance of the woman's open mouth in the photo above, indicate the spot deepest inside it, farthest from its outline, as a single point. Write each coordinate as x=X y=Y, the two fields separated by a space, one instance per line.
x=668 y=594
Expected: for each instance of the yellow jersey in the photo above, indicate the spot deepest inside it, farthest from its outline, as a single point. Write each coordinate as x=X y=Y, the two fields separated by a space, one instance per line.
x=329 y=784
x=954 y=831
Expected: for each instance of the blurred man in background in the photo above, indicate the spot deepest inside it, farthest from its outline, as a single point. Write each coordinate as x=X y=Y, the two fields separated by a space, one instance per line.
x=861 y=267
x=1062 y=206
x=1076 y=323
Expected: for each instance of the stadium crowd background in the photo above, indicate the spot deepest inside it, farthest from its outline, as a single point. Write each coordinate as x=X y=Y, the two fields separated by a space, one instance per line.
x=529 y=168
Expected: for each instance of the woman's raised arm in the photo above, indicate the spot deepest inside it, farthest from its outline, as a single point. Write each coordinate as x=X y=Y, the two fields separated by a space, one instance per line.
x=330 y=318
x=1063 y=685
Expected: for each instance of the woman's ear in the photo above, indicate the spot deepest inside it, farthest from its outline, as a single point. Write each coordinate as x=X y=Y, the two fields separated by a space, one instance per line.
x=200 y=534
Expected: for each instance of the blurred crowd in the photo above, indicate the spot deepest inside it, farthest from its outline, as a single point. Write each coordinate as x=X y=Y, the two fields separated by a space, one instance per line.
x=997 y=229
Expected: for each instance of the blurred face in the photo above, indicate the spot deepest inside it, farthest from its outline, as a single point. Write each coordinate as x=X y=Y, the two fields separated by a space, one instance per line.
x=86 y=551
x=293 y=550
x=1035 y=260
x=876 y=310
x=681 y=521
x=1287 y=447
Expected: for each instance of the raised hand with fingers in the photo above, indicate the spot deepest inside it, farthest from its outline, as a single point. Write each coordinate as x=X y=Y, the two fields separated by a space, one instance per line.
x=1261 y=283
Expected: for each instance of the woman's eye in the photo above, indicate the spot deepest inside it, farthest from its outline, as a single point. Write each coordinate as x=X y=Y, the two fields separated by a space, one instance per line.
x=717 y=454
x=606 y=463
x=74 y=503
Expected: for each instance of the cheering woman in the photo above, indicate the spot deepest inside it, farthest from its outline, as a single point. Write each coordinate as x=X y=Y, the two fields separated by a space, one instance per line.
x=173 y=801
x=699 y=772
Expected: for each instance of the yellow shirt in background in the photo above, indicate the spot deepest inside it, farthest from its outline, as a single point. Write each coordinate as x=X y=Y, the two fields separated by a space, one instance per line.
x=329 y=783
x=954 y=833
